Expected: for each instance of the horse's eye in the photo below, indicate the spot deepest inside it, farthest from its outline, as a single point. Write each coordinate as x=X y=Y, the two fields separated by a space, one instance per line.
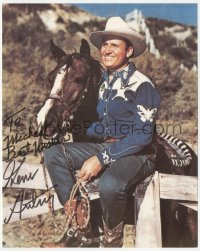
x=79 y=80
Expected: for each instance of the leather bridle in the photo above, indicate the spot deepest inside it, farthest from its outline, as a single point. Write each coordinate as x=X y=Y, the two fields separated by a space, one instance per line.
x=69 y=113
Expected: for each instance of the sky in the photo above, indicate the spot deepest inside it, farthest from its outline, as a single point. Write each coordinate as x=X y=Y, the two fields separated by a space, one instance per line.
x=182 y=13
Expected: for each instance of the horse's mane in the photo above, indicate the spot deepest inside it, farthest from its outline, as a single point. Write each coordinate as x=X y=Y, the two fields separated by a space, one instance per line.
x=96 y=69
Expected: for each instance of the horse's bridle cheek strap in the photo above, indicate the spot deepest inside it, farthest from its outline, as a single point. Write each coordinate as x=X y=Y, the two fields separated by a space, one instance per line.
x=81 y=95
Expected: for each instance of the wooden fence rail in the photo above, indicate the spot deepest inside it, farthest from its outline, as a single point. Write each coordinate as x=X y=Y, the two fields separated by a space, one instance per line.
x=162 y=186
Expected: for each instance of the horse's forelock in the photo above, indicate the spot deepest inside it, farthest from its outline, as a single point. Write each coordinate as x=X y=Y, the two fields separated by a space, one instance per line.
x=67 y=59
x=94 y=65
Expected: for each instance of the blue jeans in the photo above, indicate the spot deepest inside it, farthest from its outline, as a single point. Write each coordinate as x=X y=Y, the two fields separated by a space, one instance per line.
x=114 y=182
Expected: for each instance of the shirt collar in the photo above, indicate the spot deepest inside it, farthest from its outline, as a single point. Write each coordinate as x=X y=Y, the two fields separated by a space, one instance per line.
x=124 y=74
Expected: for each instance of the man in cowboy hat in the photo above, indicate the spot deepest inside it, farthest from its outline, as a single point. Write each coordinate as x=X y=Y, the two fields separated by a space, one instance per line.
x=127 y=107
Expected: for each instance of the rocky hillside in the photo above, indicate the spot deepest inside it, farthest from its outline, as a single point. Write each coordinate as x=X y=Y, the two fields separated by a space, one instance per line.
x=27 y=29
x=167 y=38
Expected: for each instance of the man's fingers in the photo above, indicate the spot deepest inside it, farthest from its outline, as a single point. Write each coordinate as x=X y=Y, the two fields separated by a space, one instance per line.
x=90 y=168
x=80 y=174
x=84 y=177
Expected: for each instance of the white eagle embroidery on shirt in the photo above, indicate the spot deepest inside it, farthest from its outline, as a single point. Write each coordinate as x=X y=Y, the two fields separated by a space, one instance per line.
x=146 y=114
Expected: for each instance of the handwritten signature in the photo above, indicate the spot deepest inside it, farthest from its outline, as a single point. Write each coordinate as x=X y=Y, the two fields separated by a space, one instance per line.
x=21 y=204
x=11 y=174
x=22 y=134
x=37 y=146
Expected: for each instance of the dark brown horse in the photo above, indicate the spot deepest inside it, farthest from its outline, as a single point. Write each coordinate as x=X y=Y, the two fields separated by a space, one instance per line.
x=71 y=106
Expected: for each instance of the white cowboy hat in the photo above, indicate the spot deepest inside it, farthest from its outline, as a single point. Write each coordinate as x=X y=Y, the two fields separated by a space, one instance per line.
x=116 y=26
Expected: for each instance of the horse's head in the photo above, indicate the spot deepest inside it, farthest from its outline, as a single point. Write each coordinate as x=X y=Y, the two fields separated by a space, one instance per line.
x=75 y=85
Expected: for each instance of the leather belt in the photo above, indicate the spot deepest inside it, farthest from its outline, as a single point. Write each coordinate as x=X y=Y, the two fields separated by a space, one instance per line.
x=111 y=140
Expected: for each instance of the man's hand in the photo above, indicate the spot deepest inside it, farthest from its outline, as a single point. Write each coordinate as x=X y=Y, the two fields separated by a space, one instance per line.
x=90 y=168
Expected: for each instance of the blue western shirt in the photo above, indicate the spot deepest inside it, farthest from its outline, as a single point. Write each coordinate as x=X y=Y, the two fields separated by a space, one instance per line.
x=127 y=108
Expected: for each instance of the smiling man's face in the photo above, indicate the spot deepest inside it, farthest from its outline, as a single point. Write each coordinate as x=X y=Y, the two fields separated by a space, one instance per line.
x=115 y=53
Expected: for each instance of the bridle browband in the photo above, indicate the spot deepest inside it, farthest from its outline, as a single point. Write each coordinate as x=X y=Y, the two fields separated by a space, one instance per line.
x=69 y=114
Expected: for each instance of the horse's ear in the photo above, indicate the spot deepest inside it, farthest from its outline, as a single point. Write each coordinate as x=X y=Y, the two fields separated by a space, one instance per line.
x=85 y=48
x=56 y=51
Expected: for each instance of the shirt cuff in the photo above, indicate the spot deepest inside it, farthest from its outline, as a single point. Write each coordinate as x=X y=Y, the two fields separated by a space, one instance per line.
x=104 y=158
